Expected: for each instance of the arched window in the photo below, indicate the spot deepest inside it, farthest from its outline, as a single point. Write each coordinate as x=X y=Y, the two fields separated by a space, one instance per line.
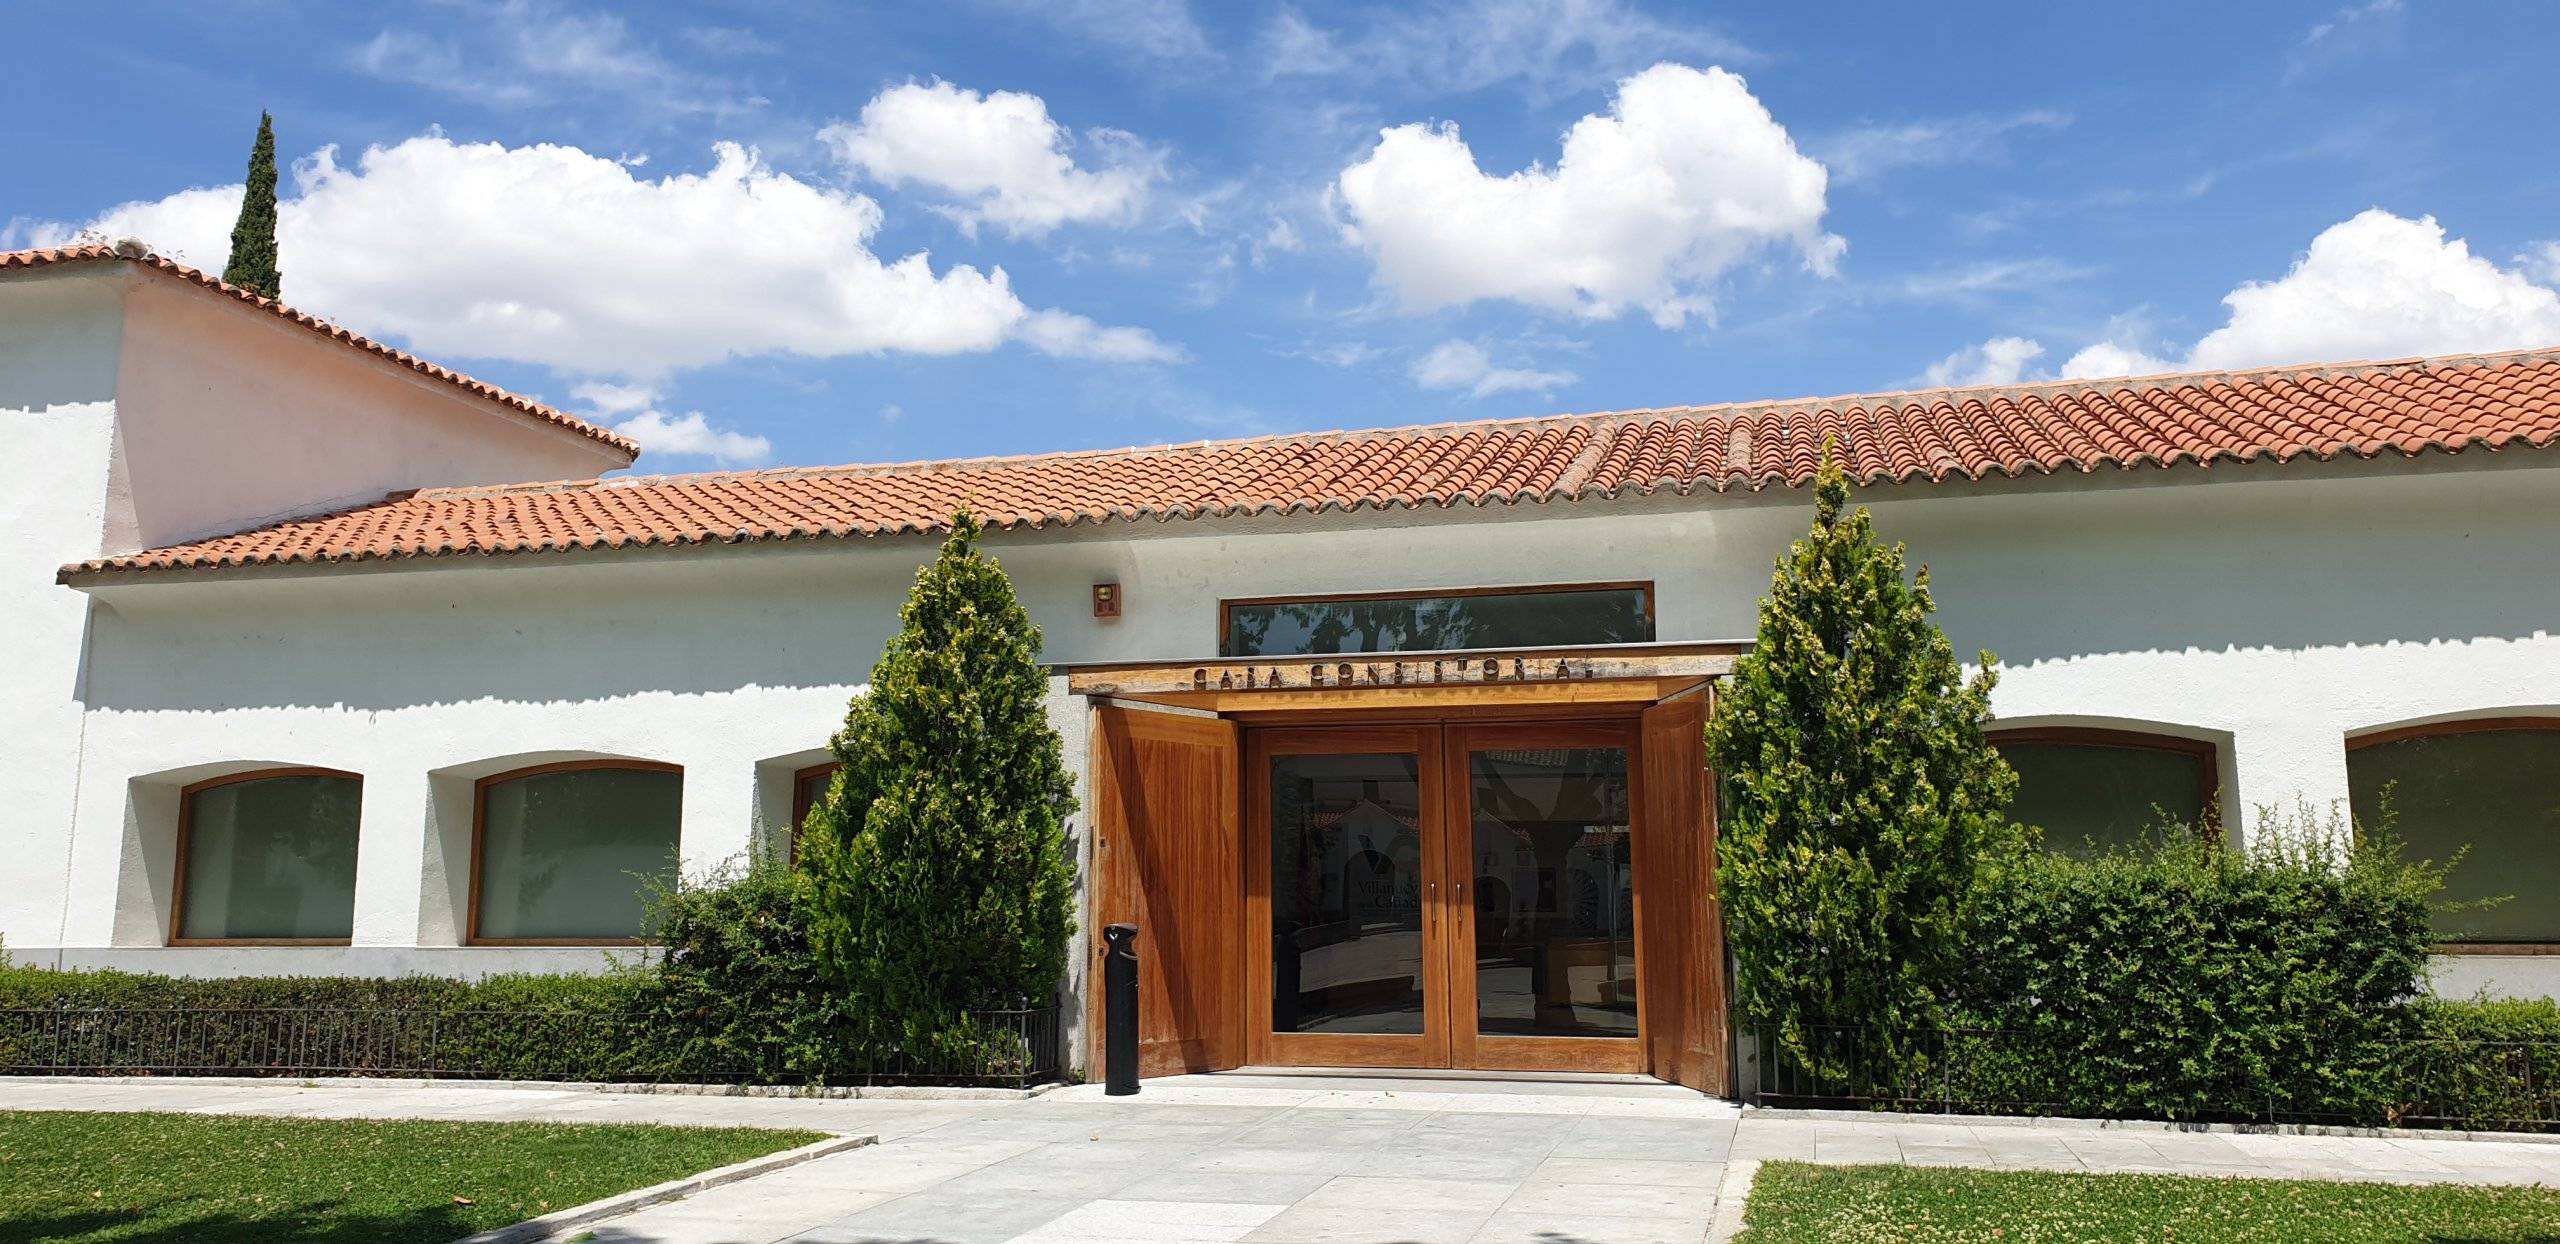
x=268 y=857
x=2090 y=790
x=562 y=854
x=2490 y=785
x=808 y=786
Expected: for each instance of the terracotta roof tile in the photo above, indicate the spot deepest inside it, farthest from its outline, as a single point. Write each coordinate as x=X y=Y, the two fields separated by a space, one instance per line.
x=2454 y=404
x=130 y=253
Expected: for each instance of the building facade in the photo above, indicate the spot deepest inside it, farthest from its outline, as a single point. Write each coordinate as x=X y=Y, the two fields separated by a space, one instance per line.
x=330 y=660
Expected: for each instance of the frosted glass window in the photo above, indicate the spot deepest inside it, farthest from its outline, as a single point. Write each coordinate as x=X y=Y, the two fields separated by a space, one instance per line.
x=2089 y=797
x=1427 y=623
x=2494 y=791
x=568 y=855
x=270 y=859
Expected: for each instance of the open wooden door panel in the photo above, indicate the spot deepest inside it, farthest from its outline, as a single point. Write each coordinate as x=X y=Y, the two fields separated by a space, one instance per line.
x=1167 y=859
x=1679 y=932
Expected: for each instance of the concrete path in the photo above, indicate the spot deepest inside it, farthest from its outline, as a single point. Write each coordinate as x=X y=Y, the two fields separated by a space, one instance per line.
x=1284 y=1158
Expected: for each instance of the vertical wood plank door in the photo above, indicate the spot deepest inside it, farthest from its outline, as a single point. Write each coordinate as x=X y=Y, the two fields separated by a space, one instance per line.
x=1167 y=858
x=1678 y=929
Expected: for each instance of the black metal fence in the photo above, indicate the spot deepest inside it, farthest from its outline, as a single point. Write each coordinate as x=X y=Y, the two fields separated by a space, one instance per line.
x=1006 y=1048
x=2421 y=1083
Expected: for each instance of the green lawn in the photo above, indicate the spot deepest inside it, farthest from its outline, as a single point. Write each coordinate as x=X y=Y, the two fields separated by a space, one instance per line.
x=202 y=1178
x=1799 y=1203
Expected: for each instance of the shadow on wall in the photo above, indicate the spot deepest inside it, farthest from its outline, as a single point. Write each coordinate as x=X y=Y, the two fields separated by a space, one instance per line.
x=526 y=633
x=2289 y=564
x=2252 y=561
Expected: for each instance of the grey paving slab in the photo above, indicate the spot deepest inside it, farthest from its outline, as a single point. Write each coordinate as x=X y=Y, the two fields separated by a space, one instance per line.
x=947 y=1217
x=1510 y=1228
x=1509 y=1158
x=1302 y=1224
x=1612 y=1201
x=1622 y=1171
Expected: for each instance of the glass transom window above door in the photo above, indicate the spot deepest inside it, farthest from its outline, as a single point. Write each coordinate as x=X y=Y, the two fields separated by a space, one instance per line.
x=1435 y=896
x=1443 y=621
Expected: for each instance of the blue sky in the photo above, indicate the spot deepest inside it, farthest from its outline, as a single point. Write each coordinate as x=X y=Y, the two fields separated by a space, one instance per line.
x=781 y=232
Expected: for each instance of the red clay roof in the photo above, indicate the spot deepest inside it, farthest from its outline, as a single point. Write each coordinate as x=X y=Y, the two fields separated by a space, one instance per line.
x=97 y=253
x=2364 y=410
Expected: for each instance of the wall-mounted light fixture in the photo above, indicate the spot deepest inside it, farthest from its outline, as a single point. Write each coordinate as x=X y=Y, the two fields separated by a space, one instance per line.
x=1106 y=600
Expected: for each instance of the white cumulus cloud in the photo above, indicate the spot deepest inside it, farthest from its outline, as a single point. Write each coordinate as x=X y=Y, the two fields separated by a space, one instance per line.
x=632 y=410
x=2001 y=360
x=1466 y=365
x=547 y=254
x=1000 y=156
x=690 y=435
x=2373 y=286
x=2381 y=286
x=1685 y=177
x=2113 y=358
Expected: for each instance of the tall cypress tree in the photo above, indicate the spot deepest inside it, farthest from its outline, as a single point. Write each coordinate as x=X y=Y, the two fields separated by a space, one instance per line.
x=1866 y=807
x=253 y=239
x=939 y=852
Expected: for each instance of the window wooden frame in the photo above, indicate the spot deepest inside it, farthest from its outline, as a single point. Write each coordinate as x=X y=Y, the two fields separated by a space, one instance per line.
x=801 y=805
x=2466 y=725
x=2207 y=753
x=186 y=830
x=479 y=834
x=1227 y=607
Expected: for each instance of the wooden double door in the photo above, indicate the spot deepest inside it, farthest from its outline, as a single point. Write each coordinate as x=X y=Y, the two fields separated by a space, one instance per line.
x=1443 y=896
x=1532 y=896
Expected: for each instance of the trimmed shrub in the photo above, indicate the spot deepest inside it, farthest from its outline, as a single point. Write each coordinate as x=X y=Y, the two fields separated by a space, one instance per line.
x=939 y=853
x=2191 y=980
x=508 y=1027
x=736 y=984
x=1863 y=803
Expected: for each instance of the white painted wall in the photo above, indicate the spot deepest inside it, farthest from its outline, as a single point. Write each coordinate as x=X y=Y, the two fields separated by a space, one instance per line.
x=138 y=410
x=2275 y=610
x=58 y=347
x=232 y=418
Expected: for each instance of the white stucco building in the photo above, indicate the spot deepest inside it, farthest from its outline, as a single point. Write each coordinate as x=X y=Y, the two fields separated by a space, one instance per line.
x=266 y=581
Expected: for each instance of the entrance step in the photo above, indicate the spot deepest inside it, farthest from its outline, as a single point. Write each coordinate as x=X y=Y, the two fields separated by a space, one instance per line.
x=1437 y=1080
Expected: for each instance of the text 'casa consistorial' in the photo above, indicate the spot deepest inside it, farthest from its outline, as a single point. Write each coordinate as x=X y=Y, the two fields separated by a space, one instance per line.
x=1269 y=677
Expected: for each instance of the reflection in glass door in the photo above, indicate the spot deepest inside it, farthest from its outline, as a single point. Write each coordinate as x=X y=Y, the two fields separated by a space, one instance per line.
x=1429 y=896
x=1347 y=860
x=1345 y=902
x=1553 y=892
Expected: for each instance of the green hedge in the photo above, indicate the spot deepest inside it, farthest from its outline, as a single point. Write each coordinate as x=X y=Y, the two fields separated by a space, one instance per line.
x=2193 y=981
x=505 y=1027
x=2189 y=980
x=733 y=994
x=2485 y=1063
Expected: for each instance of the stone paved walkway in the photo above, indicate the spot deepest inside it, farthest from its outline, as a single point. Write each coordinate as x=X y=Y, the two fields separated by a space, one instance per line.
x=1256 y=1158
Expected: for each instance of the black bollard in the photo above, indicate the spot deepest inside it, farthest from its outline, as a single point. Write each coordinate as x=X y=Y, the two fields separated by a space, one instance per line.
x=1120 y=1010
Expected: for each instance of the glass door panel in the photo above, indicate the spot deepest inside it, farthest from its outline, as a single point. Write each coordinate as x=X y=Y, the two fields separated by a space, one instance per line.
x=1540 y=838
x=1346 y=912
x=1554 y=892
x=1347 y=860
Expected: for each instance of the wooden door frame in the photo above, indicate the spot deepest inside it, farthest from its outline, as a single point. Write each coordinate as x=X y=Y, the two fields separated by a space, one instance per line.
x=1263 y=1046
x=1512 y=1052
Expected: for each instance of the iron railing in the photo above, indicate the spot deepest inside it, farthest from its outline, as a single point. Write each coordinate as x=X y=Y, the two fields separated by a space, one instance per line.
x=1010 y=1048
x=2418 y=1083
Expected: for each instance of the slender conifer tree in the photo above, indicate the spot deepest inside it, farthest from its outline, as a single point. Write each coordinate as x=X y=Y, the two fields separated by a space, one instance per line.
x=1865 y=807
x=253 y=239
x=939 y=853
